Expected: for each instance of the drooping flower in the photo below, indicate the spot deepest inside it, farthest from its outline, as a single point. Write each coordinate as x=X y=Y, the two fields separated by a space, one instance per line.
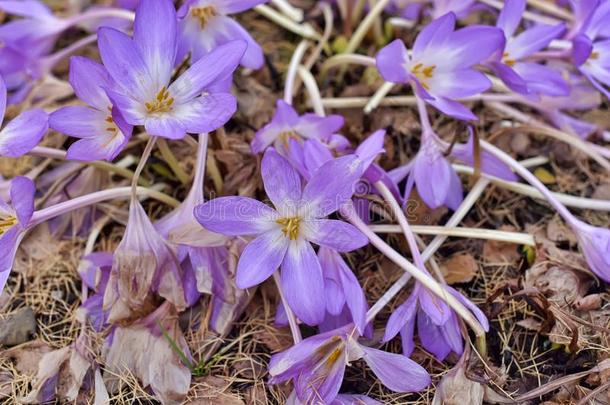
x=317 y=364
x=94 y=271
x=437 y=325
x=101 y=129
x=23 y=132
x=284 y=234
x=142 y=67
x=511 y=64
x=287 y=125
x=205 y=24
x=595 y=244
x=440 y=68
x=14 y=220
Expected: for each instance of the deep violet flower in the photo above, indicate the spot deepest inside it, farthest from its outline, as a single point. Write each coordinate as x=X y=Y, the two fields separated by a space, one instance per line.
x=14 y=219
x=284 y=234
x=437 y=325
x=142 y=67
x=102 y=130
x=341 y=399
x=22 y=133
x=317 y=365
x=510 y=63
x=287 y=125
x=205 y=24
x=440 y=68
x=595 y=244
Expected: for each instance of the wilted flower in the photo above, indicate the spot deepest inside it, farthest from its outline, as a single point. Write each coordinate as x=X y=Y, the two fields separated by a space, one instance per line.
x=317 y=364
x=510 y=63
x=205 y=24
x=22 y=133
x=440 y=68
x=284 y=234
x=14 y=219
x=102 y=130
x=94 y=270
x=437 y=325
x=142 y=68
x=595 y=244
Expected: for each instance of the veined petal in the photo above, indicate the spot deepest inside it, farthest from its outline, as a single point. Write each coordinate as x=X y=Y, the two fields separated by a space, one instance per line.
x=314 y=126
x=88 y=79
x=23 y=133
x=9 y=242
x=452 y=109
x=334 y=234
x=105 y=146
x=284 y=365
x=457 y=84
x=154 y=35
x=79 y=121
x=510 y=16
x=236 y=216
x=302 y=282
x=533 y=40
x=431 y=173
x=509 y=77
x=542 y=79
x=431 y=337
x=282 y=183
x=402 y=315
x=22 y=198
x=206 y=113
x=467 y=47
x=131 y=110
x=166 y=126
x=395 y=371
x=391 y=61
x=261 y=258
x=434 y=33
x=320 y=383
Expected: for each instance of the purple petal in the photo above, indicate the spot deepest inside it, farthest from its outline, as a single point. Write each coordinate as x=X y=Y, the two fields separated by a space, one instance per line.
x=302 y=282
x=79 y=121
x=452 y=335
x=432 y=175
x=509 y=77
x=130 y=109
x=103 y=147
x=261 y=258
x=343 y=399
x=400 y=317
x=542 y=79
x=510 y=16
x=472 y=307
x=22 y=198
x=283 y=365
x=315 y=154
x=334 y=234
x=533 y=40
x=461 y=83
x=88 y=79
x=434 y=33
x=237 y=6
x=165 y=126
x=455 y=194
x=320 y=384
x=434 y=307
x=23 y=133
x=406 y=337
x=371 y=147
x=236 y=216
x=314 y=126
x=431 y=336
x=9 y=242
x=2 y=99
x=453 y=109
x=227 y=29
x=395 y=371
x=206 y=113
x=471 y=45
x=282 y=183
x=391 y=60
x=582 y=47
x=26 y=8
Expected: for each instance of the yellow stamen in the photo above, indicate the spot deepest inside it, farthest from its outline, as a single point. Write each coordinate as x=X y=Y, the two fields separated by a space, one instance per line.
x=507 y=60
x=290 y=226
x=423 y=73
x=334 y=356
x=594 y=55
x=285 y=137
x=162 y=103
x=204 y=14
x=7 y=223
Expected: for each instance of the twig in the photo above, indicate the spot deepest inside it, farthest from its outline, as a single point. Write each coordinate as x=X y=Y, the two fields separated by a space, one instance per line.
x=365 y=26
x=304 y=30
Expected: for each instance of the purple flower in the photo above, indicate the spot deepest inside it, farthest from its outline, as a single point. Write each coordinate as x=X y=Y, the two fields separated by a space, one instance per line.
x=284 y=234
x=440 y=68
x=437 y=325
x=102 y=130
x=510 y=63
x=595 y=244
x=317 y=365
x=22 y=133
x=461 y=8
x=341 y=399
x=205 y=24
x=94 y=270
x=142 y=68
x=14 y=220
x=287 y=125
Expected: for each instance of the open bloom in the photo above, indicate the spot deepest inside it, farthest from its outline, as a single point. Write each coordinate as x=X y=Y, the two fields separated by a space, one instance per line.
x=22 y=133
x=595 y=244
x=205 y=24
x=102 y=130
x=14 y=220
x=437 y=325
x=510 y=63
x=284 y=234
x=317 y=365
x=440 y=68
x=287 y=125
x=142 y=68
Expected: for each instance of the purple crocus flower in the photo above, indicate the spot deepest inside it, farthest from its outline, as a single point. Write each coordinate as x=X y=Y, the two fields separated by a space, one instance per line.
x=595 y=244
x=94 y=270
x=22 y=133
x=341 y=399
x=437 y=325
x=510 y=63
x=205 y=24
x=14 y=220
x=287 y=125
x=284 y=234
x=142 y=68
x=440 y=68
x=317 y=364
x=102 y=130
x=461 y=8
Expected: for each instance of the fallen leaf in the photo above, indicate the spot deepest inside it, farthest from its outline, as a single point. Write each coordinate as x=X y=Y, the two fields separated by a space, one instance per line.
x=456 y=389
x=558 y=232
x=501 y=252
x=26 y=357
x=591 y=301
x=558 y=284
x=459 y=268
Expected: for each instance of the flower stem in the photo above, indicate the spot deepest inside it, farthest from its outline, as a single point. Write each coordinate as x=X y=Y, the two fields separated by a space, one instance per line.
x=101 y=13
x=304 y=30
x=294 y=13
x=292 y=320
x=312 y=90
x=172 y=162
x=551 y=8
x=528 y=15
x=381 y=92
x=143 y=159
x=365 y=26
x=346 y=59
x=291 y=74
x=50 y=61
x=399 y=101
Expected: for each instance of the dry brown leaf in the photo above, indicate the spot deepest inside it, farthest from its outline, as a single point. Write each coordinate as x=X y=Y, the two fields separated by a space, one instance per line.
x=26 y=357
x=456 y=389
x=558 y=284
x=591 y=301
x=557 y=231
x=460 y=268
x=501 y=252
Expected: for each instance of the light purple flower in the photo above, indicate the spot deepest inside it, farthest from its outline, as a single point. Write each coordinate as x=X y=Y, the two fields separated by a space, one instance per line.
x=205 y=24
x=284 y=234
x=317 y=364
x=101 y=129
x=287 y=125
x=440 y=68
x=511 y=64
x=14 y=220
x=595 y=244
x=142 y=68
x=437 y=325
x=22 y=133
x=461 y=8
x=341 y=399
x=94 y=270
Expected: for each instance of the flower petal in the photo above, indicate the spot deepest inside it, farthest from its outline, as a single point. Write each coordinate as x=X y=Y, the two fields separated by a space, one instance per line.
x=22 y=198
x=2 y=100
x=334 y=234
x=533 y=40
x=510 y=16
x=88 y=79
x=261 y=258
x=435 y=32
x=206 y=113
x=227 y=29
x=236 y=216
x=314 y=126
x=542 y=79
x=237 y=6
x=457 y=84
x=282 y=182
x=453 y=109
x=431 y=337
x=391 y=61
x=396 y=371
x=302 y=282
x=402 y=315
x=166 y=126
x=23 y=133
